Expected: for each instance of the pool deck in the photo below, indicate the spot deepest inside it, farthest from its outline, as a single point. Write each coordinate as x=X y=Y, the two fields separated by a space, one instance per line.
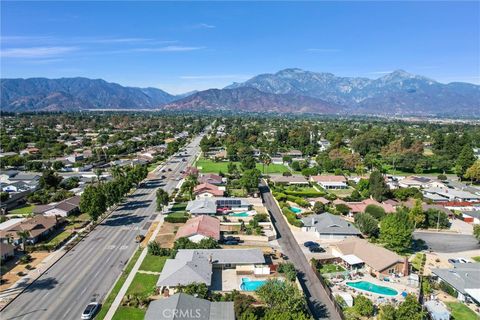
x=227 y=280
x=398 y=285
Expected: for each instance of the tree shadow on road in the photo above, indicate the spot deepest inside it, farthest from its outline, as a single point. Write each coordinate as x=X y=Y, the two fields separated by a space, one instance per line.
x=133 y=205
x=124 y=220
x=317 y=308
x=42 y=284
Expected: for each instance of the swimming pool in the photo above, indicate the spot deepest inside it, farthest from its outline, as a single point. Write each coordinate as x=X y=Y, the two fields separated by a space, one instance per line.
x=243 y=214
x=371 y=287
x=251 y=285
x=295 y=209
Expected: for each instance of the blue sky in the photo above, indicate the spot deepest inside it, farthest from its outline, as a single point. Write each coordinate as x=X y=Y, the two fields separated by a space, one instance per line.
x=184 y=46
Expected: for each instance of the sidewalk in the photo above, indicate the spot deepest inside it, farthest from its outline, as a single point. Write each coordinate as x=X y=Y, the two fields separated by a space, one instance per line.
x=18 y=287
x=118 y=299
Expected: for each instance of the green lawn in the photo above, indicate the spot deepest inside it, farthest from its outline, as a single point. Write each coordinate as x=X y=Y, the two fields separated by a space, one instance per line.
x=341 y=192
x=330 y=267
x=129 y=313
x=59 y=238
x=27 y=209
x=461 y=311
x=109 y=300
x=476 y=258
x=153 y=263
x=210 y=166
x=143 y=284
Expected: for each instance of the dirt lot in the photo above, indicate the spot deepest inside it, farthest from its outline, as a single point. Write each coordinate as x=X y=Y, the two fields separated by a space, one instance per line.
x=166 y=234
x=11 y=277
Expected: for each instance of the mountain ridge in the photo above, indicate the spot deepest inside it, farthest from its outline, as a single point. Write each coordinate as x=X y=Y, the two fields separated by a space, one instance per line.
x=291 y=90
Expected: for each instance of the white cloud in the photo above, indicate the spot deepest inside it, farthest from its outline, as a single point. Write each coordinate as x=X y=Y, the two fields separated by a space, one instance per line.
x=36 y=52
x=322 y=50
x=203 y=26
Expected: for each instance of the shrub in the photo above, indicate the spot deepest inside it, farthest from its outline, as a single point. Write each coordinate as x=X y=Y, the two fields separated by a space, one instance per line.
x=155 y=250
x=288 y=269
x=445 y=287
x=25 y=259
x=291 y=217
x=342 y=208
x=375 y=211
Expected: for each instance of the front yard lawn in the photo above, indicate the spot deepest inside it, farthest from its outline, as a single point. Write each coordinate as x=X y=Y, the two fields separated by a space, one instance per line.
x=461 y=311
x=129 y=313
x=143 y=284
x=59 y=238
x=342 y=192
x=330 y=268
x=153 y=263
x=22 y=211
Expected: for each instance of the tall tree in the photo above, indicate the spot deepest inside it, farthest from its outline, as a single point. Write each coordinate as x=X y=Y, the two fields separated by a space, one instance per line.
x=465 y=160
x=416 y=214
x=378 y=189
x=396 y=231
x=162 y=198
x=473 y=173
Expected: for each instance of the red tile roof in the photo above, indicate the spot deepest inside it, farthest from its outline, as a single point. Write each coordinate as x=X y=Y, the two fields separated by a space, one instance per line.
x=204 y=225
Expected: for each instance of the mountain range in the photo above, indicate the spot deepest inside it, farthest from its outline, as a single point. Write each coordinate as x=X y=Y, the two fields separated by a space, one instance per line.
x=287 y=91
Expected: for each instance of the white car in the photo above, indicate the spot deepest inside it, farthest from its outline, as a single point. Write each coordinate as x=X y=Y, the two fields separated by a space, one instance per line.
x=90 y=310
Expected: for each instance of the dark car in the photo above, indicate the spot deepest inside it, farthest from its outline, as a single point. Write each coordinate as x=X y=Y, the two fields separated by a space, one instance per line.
x=184 y=160
x=163 y=170
x=231 y=243
x=316 y=249
x=163 y=177
x=169 y=169
x=231 y=238
x=309 y=244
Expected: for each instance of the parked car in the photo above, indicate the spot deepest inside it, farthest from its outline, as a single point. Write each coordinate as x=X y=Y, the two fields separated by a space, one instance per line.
x=309 y=244
x=316 y=249
x=231 y=238
x=231 y=243
x=169 y=169
x=139 y=238
x=184 y=160
x=163 y=170
x=163 y=177
x=90 y=310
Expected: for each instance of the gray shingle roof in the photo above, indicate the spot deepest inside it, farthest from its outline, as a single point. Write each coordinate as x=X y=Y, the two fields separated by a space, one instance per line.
x=462 y=276
x=192 y=265
x=181 y=306
x=202 y=206
x=327 y=223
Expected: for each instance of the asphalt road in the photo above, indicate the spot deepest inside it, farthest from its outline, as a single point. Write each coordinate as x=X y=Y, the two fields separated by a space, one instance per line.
x=447 y=242
x=317 y=297
x=88 y=271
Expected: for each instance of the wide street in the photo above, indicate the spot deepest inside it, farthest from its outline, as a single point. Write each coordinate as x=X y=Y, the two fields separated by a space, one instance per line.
x=87 y=272
x=317 y=297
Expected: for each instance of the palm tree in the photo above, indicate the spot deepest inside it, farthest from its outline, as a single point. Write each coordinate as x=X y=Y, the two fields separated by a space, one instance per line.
x=24 y=236
x=266 y=161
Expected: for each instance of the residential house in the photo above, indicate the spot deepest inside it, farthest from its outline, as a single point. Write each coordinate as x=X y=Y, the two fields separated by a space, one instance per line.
x=472 y=217
x=375 y=259
x=63 y=208
x=324 y=145
x=322 y=200
x=183 y=306
x=37 y=227
x=329 y=226
x=447 y=194
x=207 y=190
x=464 y=278
x=330 y=182
x=409 y=204
x=211 y=205
x=360 y=206
x=198 y=265
x=415 y=182
x=289 y=180
x=199 y=228
x=211 y=178
x=6 y=251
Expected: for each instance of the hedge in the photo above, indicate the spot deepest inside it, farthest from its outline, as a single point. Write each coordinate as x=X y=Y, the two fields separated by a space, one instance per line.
x=291 y=217
x=176 y=219
x=305 y=194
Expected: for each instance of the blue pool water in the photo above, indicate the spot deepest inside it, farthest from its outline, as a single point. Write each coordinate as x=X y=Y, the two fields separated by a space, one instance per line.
x=240 y=214
x=251 y=285
x=368 y=286
x=295 y=210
